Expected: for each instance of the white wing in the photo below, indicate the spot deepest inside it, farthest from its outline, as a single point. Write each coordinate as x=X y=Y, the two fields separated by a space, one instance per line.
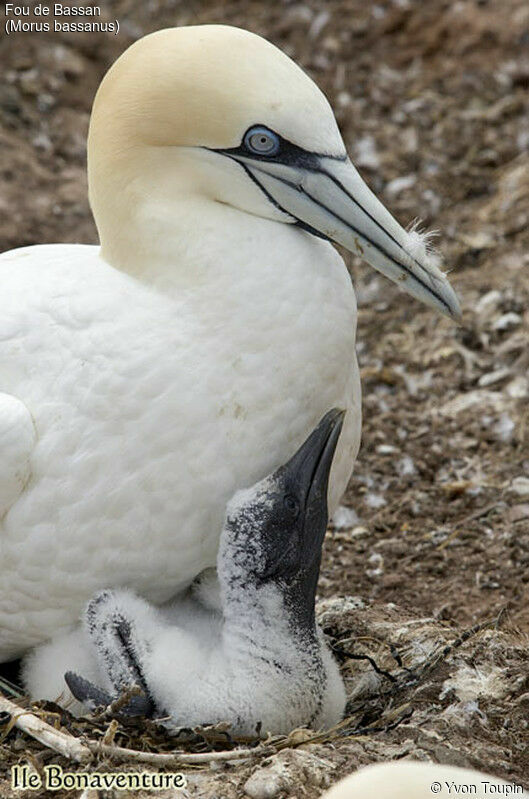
x=17 y=440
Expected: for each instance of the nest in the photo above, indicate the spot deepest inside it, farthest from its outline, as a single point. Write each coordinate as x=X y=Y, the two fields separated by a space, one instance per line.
x=383 y=698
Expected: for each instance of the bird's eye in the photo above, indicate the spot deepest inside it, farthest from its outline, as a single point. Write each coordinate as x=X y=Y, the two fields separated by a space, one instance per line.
x=291 y=504
x=261 y=141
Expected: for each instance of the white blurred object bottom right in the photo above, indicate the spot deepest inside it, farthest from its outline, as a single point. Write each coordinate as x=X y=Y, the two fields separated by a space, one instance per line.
x=415 y=780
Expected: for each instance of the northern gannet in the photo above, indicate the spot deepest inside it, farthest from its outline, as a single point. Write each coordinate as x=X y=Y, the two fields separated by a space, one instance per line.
x=253 y=655
x=139 y=380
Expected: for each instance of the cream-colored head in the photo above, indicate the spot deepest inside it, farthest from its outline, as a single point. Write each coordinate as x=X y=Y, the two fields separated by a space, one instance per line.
x=205 y=85
x=169 y=130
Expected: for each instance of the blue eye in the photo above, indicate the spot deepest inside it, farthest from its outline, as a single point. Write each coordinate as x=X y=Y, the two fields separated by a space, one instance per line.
x=261 y=141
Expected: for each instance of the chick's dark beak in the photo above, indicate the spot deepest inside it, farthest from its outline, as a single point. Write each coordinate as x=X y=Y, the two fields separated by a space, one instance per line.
x=309 y=471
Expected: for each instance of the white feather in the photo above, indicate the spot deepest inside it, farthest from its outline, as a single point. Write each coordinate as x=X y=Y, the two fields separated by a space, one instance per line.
x=420 y=245
x=152 y=407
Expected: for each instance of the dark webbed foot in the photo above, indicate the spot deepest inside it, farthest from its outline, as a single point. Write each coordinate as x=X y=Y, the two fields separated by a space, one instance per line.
x=120 y=648
x=93 y=697
x=86 y=692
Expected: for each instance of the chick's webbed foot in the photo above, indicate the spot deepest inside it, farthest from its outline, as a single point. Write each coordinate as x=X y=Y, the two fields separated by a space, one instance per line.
x=86 y=692
x=94 y=697
x=111 y=622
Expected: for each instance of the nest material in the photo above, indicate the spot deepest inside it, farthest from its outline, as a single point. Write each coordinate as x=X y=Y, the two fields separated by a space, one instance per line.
x=385 y=676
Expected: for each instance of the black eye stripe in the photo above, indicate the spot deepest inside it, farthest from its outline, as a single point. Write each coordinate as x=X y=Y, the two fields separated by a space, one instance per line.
x=292 y=155
x=297 y=222
x=287 y=153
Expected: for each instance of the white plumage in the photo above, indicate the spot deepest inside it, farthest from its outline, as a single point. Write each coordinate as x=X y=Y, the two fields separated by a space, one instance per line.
x=198 y=672
x=17 y=440
x=144 y=382
x=244 y=648
x=151 y=410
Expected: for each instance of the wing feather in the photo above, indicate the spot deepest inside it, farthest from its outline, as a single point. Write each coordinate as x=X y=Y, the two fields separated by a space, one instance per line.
x=17 y=441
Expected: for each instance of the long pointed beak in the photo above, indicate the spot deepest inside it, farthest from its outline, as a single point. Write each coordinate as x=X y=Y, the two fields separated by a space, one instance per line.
x=328 y=197
x=311 y=465
x=309 y=468
x=307 y=475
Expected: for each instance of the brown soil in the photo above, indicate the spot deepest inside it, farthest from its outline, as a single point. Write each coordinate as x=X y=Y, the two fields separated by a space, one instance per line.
x=434 y=93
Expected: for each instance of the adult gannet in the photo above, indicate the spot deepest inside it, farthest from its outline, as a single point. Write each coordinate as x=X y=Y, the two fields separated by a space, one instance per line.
x=139 y=380
x=260 y=658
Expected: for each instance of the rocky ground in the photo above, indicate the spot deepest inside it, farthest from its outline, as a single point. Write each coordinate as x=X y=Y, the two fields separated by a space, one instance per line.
x=432 y=98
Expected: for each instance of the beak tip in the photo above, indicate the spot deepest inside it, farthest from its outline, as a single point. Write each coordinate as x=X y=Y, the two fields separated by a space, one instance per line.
x=453 y=308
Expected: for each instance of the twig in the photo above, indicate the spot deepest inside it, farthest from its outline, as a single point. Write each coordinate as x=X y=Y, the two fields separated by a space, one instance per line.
x=115 y=707
x=471 y=518
x=398 y=659
x=177 y=758
x=110 y=734
x=59 y=741
x=10 y=688
x=394 y=718
x=430 y=664
x=339 y=650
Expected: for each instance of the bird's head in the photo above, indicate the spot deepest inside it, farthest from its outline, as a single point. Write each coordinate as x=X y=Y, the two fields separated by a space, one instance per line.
x=274 y=530
x=216 y=114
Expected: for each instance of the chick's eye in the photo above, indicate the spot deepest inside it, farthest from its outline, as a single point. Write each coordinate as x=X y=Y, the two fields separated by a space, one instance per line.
x=261 y=141
x=291 y=504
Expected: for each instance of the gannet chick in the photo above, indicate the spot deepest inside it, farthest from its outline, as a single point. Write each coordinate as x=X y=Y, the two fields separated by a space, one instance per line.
x=139 y=379
x=260 y=660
